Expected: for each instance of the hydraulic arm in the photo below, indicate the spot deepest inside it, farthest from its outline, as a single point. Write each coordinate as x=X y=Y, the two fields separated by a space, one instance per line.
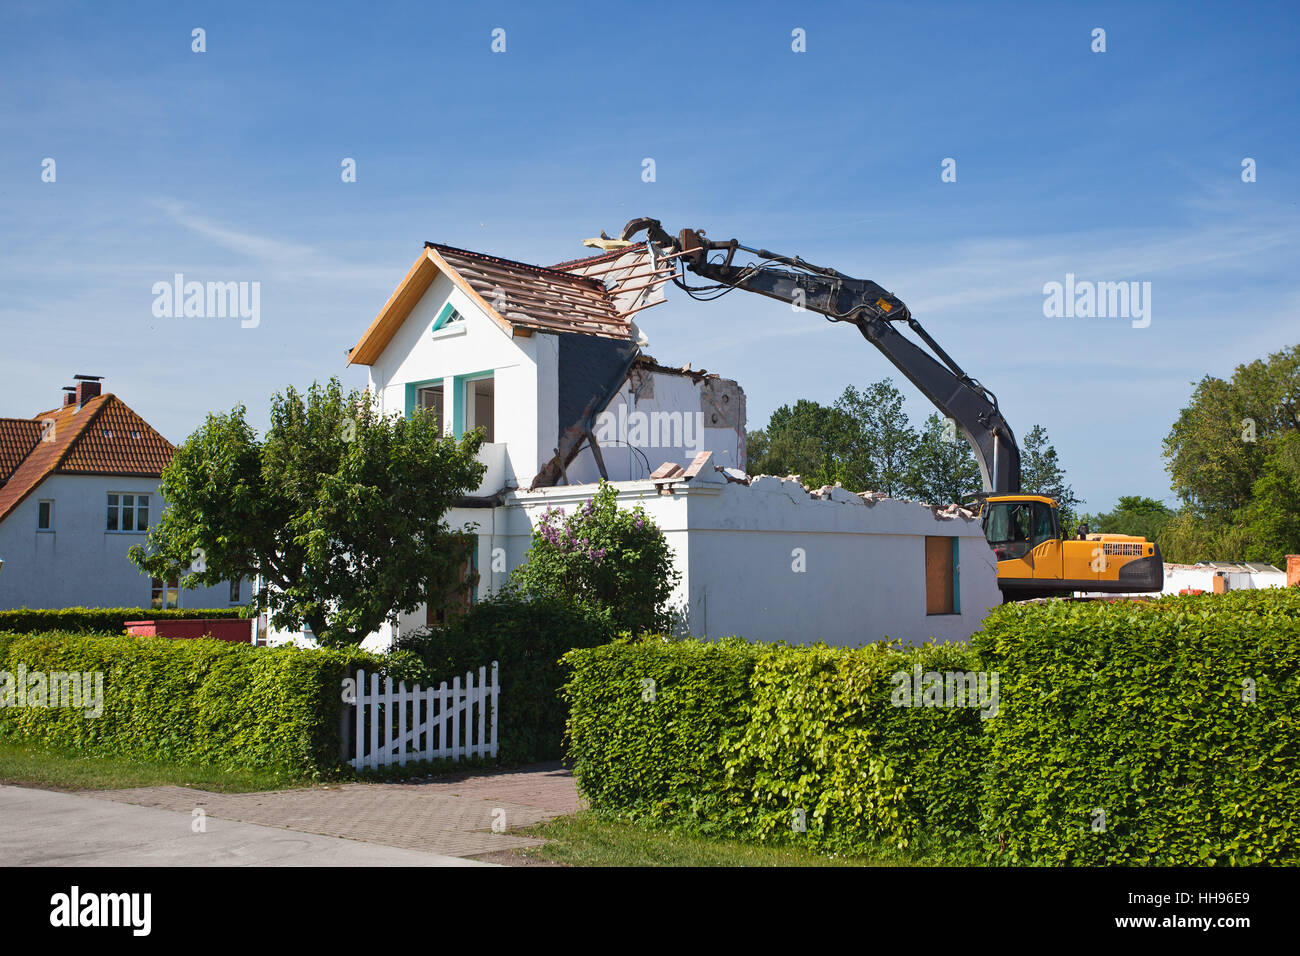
x=876 y=312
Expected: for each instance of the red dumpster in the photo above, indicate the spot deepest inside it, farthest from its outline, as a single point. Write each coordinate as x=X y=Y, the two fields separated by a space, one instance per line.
x=232 y=629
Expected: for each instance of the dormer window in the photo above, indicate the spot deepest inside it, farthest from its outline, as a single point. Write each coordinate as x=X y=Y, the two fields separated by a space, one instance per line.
x=448 y=322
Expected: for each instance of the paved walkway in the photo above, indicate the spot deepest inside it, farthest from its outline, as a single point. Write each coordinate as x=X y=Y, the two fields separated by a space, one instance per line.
x=49 y=828
x=459 y=816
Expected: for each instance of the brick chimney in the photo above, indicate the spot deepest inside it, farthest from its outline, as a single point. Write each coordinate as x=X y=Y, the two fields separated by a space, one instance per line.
x=69 y=394
x=87 y=387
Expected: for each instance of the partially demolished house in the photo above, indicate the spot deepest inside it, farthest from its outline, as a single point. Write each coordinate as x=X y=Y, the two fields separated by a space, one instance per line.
x=549 y=361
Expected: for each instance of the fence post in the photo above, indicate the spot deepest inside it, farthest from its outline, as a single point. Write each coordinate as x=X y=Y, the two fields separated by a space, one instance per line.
x=496 y=694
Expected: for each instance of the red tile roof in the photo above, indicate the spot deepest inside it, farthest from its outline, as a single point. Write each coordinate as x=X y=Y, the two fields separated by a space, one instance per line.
x=18 y=436
x=538 y=298
x=102 y=437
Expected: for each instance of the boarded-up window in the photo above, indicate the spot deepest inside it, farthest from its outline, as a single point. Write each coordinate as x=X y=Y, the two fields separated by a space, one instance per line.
x=941 y=576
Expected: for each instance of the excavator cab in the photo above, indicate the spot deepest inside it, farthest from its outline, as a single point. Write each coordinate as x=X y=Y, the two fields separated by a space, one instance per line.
x=1034 y=560
x=1015 y=526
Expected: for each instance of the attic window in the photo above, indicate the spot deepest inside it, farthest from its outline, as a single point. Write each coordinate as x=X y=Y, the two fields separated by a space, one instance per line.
x=449 y=317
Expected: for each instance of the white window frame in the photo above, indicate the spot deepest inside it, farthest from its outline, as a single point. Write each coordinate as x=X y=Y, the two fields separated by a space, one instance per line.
x=135 y=511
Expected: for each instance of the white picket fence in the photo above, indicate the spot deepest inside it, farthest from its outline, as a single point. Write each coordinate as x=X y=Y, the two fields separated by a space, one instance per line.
x=392 y=725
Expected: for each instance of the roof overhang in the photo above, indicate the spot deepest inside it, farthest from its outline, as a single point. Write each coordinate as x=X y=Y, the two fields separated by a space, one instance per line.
x=409 y=291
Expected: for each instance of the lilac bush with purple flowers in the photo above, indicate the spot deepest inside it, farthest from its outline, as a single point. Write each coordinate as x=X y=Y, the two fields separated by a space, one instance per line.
x=612 y=559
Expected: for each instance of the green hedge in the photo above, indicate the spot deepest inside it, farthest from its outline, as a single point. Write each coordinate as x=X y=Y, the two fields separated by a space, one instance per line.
x=655 y=750
x=824 y=735
x=1125 y=733
x=1137 y=711
x=740 y=738
x=210 y=702
x=526 y=637
x=98 y=620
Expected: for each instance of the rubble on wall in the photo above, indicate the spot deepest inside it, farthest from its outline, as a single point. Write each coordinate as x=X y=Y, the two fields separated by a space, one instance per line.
x=670 y=472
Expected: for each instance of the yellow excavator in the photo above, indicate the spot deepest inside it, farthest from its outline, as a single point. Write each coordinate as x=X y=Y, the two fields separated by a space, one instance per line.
x=1024 y=530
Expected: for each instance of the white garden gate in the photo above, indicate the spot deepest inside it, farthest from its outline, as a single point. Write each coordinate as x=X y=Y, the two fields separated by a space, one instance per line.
x=391 y=725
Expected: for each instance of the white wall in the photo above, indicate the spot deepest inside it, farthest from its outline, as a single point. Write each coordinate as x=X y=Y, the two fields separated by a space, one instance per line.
x=417 y=354
x=81 y=563
x=865 y=563
x=707 y=415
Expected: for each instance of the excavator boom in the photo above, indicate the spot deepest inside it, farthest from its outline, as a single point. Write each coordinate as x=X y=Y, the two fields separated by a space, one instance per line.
x=1034 y=560
x=876 y=313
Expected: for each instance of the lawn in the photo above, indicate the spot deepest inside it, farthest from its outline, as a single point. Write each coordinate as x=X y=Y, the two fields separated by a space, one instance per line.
x=588 y=839
x=28 y=765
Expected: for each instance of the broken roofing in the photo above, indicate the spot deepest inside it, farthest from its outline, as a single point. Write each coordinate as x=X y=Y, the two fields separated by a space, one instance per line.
x=523 y=298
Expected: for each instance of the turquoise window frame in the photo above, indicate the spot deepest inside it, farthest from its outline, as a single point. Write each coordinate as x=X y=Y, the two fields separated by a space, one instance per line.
x=413 y=389
x=444 y=315
x=956 y=575
x=458 y=401
x=473 y=570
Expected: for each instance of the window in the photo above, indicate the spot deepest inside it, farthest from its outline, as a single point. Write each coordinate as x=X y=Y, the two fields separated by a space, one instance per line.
x=162 y=597
x=128 y=513
x=1014 y=528
x=234 y=590
x=480 y=406
x=448 y=317
x=430 y=397
x=942 y=595
x=45 y=516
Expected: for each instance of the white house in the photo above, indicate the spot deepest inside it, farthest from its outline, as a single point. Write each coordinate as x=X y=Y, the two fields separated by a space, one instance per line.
x=550 y=362
x=78 y=488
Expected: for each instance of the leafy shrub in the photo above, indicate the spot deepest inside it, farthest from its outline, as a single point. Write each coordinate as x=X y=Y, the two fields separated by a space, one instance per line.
x=654 y=750
x=527 y=637
x=603 y=556
x=1143 y=712
x=99 y=620
x=736 y=738
x=210 y=702
x=824 y=736
x=1177 y=719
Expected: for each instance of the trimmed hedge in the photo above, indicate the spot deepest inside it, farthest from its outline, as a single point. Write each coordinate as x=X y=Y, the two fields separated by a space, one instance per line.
x=738 y=738
x=210 y=702
x=1141 y=712
x=659 y=758
x=527 y=637
x=1136 y=733
x=825 y=736
x=98 y=620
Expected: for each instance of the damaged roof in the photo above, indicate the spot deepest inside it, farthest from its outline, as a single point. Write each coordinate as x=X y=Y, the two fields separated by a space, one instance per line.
x=521 y=298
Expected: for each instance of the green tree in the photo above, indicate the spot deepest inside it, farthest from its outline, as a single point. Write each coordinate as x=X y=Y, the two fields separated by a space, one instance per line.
x=337 y=514
x=944 y=471
x=1232 y=460
x=604 y=557
x=1041 y=474
x=881 y=442
x=805 y=439
x=1132 y=514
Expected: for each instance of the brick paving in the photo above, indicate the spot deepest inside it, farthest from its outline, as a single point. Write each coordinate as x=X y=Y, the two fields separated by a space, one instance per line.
x=448 y=815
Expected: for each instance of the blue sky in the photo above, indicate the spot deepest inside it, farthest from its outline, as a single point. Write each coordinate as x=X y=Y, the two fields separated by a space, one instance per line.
x=225 y=166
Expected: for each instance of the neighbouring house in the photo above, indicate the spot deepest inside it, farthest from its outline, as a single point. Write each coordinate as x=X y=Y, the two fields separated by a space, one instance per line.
x=551 y=363
x=78 y=488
